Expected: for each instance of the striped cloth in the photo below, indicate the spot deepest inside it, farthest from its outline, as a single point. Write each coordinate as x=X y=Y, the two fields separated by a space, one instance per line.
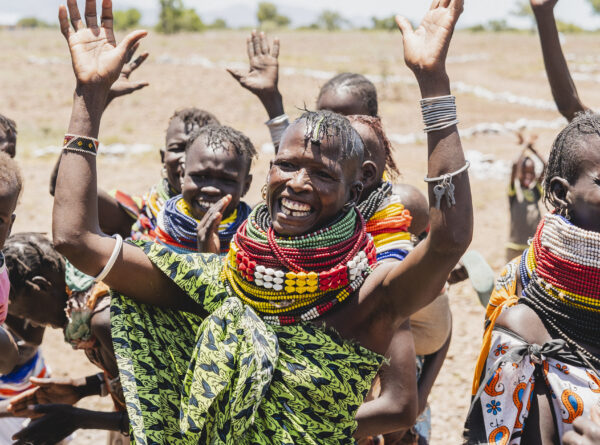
x=18 y=381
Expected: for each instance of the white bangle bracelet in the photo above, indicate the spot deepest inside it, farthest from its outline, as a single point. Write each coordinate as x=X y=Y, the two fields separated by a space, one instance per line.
x=113 y=258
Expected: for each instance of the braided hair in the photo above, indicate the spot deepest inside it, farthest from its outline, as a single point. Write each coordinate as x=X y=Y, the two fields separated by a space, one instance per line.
x=194 y=118
x=374 y=123
x=564 y=160
x=325 y=124
x=223 y=137
x=31 y=254
x=356 y=84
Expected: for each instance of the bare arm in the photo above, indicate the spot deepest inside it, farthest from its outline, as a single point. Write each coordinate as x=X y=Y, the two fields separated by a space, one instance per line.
x=9 y=352
x=97 y=61
x=422 y=275
x=396 y=406
x=562 y=85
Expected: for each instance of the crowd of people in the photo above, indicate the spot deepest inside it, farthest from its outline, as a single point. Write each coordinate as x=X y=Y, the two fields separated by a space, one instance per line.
x=319 y=315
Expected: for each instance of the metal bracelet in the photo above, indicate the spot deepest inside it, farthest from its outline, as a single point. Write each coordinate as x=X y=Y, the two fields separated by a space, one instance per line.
x=445 y=187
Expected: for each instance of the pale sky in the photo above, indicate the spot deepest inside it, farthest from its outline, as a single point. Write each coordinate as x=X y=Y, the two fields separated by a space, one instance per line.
x=238 y=11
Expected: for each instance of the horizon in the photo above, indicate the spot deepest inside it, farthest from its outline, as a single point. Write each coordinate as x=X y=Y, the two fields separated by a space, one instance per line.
x=242 y=13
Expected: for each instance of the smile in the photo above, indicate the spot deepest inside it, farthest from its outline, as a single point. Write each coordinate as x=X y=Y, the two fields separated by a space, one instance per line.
x=295 y=208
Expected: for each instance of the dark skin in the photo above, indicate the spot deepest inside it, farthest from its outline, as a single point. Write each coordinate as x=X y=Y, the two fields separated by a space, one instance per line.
x=9 y=351
x=8 y=142
x=582 y=198
x=300 y=170
x=215 y=181
x=562 y=85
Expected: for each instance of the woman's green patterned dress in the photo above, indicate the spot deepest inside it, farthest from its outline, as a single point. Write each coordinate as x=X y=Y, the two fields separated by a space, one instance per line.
x=231 y=378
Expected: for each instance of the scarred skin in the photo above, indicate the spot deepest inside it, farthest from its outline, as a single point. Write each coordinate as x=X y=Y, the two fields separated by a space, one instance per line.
x=305 y=172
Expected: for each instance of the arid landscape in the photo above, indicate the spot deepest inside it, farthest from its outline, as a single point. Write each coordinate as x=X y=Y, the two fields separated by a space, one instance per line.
x=498 y=79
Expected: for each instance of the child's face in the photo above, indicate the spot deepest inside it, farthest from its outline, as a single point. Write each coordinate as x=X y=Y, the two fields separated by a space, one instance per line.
x=173 y=155
x=527 y=173
x=211 y=174
x=8 y=143
x=8 y=203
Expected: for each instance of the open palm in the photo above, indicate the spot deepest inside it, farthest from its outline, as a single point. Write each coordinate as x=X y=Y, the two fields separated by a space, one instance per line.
x=426 y=47
x=96 y=57
x=263 y=73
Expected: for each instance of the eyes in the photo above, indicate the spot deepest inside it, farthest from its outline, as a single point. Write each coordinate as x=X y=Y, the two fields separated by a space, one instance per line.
x=180 y=148
x=290 y=167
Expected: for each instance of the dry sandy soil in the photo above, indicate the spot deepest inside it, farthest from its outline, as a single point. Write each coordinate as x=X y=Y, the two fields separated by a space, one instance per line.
x=38 y=96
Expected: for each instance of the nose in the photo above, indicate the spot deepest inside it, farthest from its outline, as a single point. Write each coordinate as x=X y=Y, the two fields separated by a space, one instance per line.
x=300 y=181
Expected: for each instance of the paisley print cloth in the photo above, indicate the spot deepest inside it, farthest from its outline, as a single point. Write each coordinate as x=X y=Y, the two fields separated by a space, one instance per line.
x=513 y=368
x=229 y=377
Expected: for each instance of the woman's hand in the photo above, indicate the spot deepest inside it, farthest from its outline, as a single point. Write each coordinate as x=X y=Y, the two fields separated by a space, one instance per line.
x=263 y=73
x=208 y=227
x=426 y=47
x=97 y=59
x=57 y=422
x=46 y=391
x=585 y=431
x=124 y=85
x=543 y=5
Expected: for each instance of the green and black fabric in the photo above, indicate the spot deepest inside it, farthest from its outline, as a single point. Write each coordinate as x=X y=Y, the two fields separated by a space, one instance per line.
x=231 y=378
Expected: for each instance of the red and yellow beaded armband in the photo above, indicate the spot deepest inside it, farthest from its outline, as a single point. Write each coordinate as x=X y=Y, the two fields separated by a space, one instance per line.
x=83 y=144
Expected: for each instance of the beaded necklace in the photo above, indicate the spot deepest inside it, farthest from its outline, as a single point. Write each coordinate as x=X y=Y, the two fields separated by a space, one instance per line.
x=293 y=279
x=177 y=227
x=560 y=273
x=388 y=222
x=153 y=203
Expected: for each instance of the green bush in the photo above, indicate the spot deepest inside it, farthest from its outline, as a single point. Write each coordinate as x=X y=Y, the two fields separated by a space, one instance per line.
x=129 y=19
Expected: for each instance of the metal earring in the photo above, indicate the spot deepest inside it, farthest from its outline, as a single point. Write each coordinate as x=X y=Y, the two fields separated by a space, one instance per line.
x=263 y=192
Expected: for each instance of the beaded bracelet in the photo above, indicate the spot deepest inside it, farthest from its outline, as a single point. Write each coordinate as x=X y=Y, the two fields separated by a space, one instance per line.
x=82 y=144
x=438 y=112
x=444 y=186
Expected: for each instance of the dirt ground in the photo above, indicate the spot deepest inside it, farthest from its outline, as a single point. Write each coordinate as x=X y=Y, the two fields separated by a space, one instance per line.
x=36 y=85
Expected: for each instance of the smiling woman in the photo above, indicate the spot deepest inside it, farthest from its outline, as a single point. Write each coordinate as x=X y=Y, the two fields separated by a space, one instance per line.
x=281 y=341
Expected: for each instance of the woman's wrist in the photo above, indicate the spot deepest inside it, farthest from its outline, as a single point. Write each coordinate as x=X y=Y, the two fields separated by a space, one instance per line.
x=88 y=106
x=273 y=102
x=433 y=84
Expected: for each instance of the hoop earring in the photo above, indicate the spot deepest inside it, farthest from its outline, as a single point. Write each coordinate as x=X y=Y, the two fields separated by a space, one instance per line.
x=263 y=192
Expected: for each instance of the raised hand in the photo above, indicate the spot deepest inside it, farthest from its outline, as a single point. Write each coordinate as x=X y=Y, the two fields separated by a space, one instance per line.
x=62 y=391
x=263 y=73
x=543 y=5
x=426 y=47
x=97 y=59
x=208 y=227
x=586 y=431
x=124 y=85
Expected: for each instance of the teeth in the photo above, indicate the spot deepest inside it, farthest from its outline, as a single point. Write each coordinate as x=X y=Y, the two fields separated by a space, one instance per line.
x=295 y=208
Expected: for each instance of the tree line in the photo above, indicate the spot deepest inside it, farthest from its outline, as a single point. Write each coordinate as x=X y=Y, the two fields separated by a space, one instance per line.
x=175 y=17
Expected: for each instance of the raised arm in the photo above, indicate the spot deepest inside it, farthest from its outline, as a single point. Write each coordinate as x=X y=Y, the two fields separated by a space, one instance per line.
x=97 y=62
x=562 y=85
x=261 y=79
x=418 y=280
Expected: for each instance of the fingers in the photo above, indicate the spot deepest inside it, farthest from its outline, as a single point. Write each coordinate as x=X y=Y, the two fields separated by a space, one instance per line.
x=107 y=15
x=457 y=5
x=249 y=48
x=129 y=41
x=139 y=60
x=91 y=18
x=222 y=203
x=264 y=43
x=256 y=43
x=74 y=14
x=236 y=74
x=275 y=49
x=595 y=414
x=63 y=20
x=404 y=25
x=139 y=86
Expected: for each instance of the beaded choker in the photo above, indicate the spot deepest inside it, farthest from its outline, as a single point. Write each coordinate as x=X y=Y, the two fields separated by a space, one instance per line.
x=560 y=273
x=388 y=222
x=293 y=279
x=177 y=227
